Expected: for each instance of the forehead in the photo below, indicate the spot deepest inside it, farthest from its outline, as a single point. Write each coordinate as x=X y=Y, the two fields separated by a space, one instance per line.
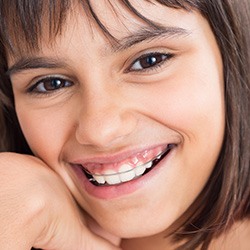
x=111 y=19
x=118 y=18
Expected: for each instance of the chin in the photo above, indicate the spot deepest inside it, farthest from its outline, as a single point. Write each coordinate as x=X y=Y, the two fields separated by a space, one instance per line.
x=135 y=228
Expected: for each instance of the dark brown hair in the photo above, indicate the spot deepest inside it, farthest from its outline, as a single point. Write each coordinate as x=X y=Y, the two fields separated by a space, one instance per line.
x=226 y=197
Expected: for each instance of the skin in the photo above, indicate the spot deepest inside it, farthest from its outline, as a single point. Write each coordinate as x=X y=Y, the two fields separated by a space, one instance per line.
x=32 y=197
x=111 y=107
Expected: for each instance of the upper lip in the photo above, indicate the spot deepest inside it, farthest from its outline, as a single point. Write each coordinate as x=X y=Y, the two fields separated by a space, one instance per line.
x=106 y=158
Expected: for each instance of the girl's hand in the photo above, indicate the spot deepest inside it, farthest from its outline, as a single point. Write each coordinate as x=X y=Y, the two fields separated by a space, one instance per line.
x=37 y=210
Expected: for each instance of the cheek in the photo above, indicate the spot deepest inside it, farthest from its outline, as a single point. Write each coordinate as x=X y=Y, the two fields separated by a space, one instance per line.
x=186 y=105
x=45 y=131
x=192 y=97
x=191 y=104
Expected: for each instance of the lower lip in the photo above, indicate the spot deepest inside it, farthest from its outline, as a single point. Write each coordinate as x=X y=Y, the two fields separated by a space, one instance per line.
x=116 y=191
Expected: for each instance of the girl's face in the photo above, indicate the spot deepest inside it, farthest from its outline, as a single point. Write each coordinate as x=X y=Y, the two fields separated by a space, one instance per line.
x=112 y=108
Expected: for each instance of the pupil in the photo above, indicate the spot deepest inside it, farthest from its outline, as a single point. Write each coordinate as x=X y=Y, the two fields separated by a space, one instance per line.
x=56 y=83
x=52 y=84
x=151 y=60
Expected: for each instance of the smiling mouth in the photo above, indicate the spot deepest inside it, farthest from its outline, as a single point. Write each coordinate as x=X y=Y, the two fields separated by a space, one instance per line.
x=112 y=178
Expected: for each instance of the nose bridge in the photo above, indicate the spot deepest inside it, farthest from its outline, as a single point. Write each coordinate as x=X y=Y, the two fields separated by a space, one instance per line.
x=103 y=118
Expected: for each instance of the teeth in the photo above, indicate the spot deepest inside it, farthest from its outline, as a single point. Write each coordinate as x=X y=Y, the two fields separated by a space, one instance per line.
x=99 y=178
x=111 y=177
x=148 y=165
x=140 y=170
x=125 y=173
x=125 y=168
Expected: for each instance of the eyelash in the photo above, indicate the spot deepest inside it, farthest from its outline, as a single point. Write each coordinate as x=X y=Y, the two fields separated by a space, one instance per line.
x=151 y=62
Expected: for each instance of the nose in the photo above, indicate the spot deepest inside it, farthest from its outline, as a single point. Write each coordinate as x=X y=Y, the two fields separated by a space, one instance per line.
x=104 y=119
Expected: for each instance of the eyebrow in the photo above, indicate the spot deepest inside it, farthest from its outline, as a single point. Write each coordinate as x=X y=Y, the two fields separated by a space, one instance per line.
x=145 y=34
x=27 y=63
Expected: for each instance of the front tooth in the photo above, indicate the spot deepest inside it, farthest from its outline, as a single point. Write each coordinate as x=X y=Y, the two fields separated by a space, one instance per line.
x=111 y=177
x=148 y=165
x=125 y=173
x=124 y=168
x=99 y=178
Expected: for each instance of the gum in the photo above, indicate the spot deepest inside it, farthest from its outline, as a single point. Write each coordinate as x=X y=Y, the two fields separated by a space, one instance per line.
x=131 y=162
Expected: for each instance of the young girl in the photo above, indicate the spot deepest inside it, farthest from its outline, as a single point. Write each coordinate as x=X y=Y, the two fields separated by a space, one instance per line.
x=124 y=124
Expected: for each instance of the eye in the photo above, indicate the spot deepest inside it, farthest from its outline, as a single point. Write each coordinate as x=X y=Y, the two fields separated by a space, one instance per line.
x=50 y=84
x=151 y=60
